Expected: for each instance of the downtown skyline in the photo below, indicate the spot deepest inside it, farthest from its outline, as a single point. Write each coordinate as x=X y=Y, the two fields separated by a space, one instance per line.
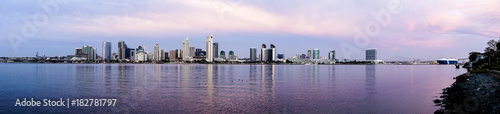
x=422 y=30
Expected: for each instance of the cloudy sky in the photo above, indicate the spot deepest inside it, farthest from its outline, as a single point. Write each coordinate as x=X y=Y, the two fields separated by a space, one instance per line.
x=423 y=29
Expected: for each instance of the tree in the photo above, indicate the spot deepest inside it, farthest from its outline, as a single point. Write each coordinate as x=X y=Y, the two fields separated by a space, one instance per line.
x=473 y=56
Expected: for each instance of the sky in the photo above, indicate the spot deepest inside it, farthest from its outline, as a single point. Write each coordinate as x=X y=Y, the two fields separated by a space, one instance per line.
x=399 y=29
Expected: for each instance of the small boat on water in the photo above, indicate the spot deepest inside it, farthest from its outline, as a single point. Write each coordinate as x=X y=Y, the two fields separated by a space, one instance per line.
x=447 y=61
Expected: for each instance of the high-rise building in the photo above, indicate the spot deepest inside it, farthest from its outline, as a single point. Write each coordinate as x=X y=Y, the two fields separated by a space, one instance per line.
x=216 y=50
x=192 y=51
x=273 y=52
x=309 y=54
x=178 y=53
x=315 y=53
x=262 y=51
x=197 y=52
x=173 y=55
x=157 y=53
x=89 y=51
x=106 y=51
x=186 y=50
x=131 y=54
x=231 y=56
x=140 y=55
x=210 y=49
x=371 y=54
x=122 y=50
x=162 y=54
x=253 y=54
x=79 y=52
x=331 y=55
x=223 y=54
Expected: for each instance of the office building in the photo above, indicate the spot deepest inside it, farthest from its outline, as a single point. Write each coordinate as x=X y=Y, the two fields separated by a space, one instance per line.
x=192 y=51
x=197 y=52
x=172 y=55
x=90 y=52
x=210 y=49
x=186 y=54
x=371 y=54
x=223 y=54
x=216 y=50
x=281 y=56
x=162 y=54
x=79 y=52
x=106 y=51
x=122 y=50
x=231 y=56
x=178 y=53
x=253 y=54
x=131 y=54
x=309 y=54
x=331 y=55
x=157 y=53
x=141 y=55
x=273 y=52
x=315 y=54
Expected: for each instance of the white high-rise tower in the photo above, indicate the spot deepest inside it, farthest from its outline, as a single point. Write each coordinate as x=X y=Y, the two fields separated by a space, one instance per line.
x=186 y=54
x=210 y=49
x=156 y=53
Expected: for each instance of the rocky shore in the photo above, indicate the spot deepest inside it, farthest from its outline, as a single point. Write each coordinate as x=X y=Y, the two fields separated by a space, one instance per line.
x=471 y=93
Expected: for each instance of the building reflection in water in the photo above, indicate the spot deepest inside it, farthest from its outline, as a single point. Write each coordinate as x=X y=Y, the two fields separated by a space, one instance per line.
x=85 y=75
x=267 y=86
x=125 y=79
x=210 y=86
x=331 y=76
x=370 y=86
x=107 y=78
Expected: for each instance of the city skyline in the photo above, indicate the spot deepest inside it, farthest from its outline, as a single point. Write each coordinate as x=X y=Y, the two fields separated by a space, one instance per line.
x=421 y=30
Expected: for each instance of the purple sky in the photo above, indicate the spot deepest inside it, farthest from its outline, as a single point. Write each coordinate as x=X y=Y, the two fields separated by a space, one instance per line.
x=423 y=30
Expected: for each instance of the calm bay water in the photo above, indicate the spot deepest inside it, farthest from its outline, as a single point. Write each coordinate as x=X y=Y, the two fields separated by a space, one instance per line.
x=200 y=88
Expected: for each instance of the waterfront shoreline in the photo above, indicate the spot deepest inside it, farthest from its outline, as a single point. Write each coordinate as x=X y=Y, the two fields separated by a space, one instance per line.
x=472 y=93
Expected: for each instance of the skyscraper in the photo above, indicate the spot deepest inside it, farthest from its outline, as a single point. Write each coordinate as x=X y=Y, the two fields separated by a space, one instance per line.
x=178 y=54
x=216 y=50
x=162 y=54
x=253 y=54
x=122 y=50
x=172 y=55
x=210 y=49
x=197 y=52
x=223 y=54
x=371 y=54
x=309 y=54
x=315 y=53
x=331 y=55
x=192 y=51
x=231 y=56
x=186 y=54
x=156 y=53
x=273 y=52
x=262 y=51
x=89 y=51
x=106 y=51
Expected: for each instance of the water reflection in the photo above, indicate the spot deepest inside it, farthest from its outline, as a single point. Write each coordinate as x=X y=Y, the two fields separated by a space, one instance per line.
x=370 y=88
x=210 y=86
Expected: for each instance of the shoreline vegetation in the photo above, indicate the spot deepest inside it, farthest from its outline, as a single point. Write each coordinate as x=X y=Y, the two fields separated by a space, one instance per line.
x=478 y=90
